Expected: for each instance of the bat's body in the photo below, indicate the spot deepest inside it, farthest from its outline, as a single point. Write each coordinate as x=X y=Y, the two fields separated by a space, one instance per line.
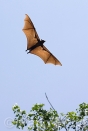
x=39 y=43
x=35 y=45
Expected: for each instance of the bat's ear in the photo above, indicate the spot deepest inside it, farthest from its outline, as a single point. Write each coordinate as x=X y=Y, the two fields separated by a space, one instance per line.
x=43 y=40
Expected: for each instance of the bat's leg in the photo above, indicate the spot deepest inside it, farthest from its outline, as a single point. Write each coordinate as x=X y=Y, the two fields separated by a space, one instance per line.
x=43 y=48
x=25 y=50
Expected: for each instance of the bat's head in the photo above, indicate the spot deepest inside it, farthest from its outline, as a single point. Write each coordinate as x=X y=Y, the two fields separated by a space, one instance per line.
x=43 y=41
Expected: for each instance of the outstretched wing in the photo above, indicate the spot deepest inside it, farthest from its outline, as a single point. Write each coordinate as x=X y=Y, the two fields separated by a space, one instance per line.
x=30 y=32
x=45 y=55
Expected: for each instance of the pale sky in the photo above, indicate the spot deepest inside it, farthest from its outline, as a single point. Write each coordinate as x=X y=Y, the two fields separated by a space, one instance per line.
x=24 y=79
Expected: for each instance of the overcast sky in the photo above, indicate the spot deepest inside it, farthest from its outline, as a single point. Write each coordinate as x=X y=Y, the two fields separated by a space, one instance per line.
x=24 y=79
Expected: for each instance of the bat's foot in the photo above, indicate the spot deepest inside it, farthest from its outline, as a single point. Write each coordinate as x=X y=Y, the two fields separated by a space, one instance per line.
x=25 y=50
x=28 y=52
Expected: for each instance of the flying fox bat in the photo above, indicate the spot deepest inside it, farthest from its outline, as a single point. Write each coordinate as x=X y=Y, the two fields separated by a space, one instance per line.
x=35 y=45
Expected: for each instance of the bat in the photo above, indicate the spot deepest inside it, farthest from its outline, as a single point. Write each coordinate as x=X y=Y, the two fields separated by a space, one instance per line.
x=35 y=45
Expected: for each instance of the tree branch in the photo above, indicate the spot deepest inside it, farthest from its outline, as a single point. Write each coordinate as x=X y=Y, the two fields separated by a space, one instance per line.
x=49 y=101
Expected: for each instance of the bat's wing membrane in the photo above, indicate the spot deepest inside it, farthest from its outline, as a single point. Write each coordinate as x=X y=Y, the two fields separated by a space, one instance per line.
x=52 y=59
x=45 y=55
x=30 y=32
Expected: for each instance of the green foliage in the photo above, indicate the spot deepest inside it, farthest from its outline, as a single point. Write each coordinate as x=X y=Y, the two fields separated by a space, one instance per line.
x=40 y=119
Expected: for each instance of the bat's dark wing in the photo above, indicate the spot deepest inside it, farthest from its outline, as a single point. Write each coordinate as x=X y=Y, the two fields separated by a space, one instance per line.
x=45 y=55
x=30 y=32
